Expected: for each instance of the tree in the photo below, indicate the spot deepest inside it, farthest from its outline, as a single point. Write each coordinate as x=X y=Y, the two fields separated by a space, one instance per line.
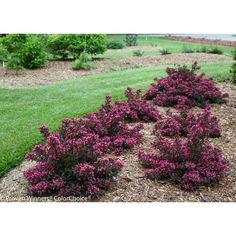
x=72 y=45
x=23 y=51
x=131 y=39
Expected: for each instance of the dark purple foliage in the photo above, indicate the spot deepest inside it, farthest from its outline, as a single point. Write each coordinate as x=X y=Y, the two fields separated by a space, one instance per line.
x=183 y=88
x=190 y=162
x=63 y=166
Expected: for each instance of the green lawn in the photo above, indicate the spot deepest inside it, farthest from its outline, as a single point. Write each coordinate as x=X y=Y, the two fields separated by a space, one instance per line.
x=23 y=110
x=172 y=45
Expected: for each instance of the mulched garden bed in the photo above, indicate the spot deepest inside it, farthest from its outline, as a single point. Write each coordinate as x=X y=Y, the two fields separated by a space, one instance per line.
x=56 y=71
x=132 y=186
x=201 y=40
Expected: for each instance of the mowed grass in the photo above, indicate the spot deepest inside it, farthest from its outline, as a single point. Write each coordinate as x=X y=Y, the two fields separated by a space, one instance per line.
x=23 y=110
x=156 y=42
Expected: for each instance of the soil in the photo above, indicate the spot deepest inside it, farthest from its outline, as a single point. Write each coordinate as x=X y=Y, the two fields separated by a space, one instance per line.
x=56 y=71
x=132 y=186
x=202 y=40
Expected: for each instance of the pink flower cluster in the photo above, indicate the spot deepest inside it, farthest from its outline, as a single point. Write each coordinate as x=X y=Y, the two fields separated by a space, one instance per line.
x=183 y=88
x=180 y=125
x=137 y=109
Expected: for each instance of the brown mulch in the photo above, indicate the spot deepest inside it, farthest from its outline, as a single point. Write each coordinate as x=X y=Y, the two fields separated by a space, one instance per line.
x=132 y=186
x=201 y=40
x=56 y=71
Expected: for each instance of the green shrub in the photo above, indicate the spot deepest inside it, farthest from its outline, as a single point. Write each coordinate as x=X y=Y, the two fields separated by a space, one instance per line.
x=82 y=62
x=131 y=39
x=202 y=49
x=92 y=44
x=138 y=53
x=85 y=57
x=187 y=50
x=23 y=51
x=14 y=62
x=58 y=45
x=115 y=44
x=165 y=51
x=34 y=53
x=13 y=43
x=78 y=65
x=66 y=45
x=214 y=50
x=95 y=44
x=10 y=48
x=233 y=67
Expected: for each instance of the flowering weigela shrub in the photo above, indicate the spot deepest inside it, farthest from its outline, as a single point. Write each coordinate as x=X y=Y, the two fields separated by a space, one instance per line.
x=183 y=88
x=137 y=109
x=70 y=160
x=71 y=166
x=180 y=125
x=190 y=163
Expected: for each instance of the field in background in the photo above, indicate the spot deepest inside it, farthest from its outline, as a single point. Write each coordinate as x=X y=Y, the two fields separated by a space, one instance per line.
x=156 y=42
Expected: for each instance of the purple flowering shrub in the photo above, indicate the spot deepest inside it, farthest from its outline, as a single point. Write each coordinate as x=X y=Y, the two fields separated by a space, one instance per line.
x=71 y=166
x=180 y=125
x=189 y=162
x=71 y=161
x=137 y=109
x=183 y=88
